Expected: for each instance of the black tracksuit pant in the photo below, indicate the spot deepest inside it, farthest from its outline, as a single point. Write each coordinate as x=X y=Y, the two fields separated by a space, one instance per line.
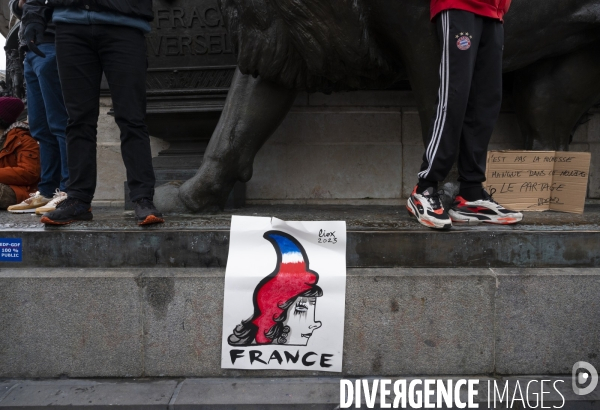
x=469 y=98
x=83 y=53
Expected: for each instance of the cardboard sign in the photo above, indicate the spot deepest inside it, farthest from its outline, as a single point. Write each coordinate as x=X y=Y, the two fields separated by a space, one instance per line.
x=538 y=180
x=285 y=295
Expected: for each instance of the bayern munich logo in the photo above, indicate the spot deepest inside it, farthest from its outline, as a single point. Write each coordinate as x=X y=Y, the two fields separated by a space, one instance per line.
x=464 y=43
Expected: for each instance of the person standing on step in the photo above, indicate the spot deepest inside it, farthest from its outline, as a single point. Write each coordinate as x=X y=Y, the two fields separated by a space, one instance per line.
x=47 y=122
x=95 y=36
x=471 y=35
x=19 y=155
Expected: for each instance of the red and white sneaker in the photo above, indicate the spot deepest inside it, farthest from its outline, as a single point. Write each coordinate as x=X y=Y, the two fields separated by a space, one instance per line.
x=484 y=210
x=428 y=209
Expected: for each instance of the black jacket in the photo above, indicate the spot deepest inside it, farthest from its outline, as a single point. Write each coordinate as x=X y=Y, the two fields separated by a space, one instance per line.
x=48 y=34
x=41 y=10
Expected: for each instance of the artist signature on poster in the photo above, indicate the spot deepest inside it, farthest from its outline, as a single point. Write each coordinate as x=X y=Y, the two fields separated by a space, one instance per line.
x=327 y=237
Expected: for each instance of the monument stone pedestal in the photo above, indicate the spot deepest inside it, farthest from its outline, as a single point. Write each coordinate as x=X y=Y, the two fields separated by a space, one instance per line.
x=107 y=298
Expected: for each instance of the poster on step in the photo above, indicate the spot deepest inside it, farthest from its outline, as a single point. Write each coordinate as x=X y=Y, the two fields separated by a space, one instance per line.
x=285 y=295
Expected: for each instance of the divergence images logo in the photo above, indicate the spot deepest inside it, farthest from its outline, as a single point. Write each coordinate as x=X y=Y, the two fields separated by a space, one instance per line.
x=584 y=373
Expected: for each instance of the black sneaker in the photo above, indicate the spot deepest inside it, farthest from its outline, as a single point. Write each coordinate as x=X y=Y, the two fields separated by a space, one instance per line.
x=69 y=210
x=146 y=213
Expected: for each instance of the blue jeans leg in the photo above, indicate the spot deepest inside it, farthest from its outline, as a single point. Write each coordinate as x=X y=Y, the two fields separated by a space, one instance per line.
x=47 y=118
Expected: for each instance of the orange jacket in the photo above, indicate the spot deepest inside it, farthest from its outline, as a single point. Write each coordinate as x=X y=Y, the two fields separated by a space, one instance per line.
x=495 y=9
x=20 y=161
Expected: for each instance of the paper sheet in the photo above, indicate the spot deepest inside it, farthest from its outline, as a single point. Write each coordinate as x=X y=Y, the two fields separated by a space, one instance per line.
x=285 y=290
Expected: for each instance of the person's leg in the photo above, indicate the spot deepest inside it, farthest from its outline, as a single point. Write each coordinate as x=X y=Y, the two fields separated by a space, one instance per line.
x=56 y=113
x=483 y=109
x=473 y=204
x=7 y=196
x=459 y=38
x=80 y=73
x=38 y=125
x=459 y=33
x=122 y=51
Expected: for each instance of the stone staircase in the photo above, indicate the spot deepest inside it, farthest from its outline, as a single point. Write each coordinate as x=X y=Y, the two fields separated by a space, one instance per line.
x=115 y=303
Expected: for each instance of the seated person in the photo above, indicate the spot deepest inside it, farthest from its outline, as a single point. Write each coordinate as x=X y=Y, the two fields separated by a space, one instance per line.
x=19 y=155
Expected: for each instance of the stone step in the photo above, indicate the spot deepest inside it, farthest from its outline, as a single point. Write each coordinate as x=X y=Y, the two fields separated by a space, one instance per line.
x=262 y=394
x=377 y=237
x=167 y=322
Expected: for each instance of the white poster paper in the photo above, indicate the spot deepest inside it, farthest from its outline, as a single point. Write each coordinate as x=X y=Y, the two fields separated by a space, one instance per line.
x=285 y=294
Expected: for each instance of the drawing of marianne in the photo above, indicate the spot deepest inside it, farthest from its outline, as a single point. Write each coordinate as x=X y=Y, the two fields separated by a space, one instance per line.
x=284 y=302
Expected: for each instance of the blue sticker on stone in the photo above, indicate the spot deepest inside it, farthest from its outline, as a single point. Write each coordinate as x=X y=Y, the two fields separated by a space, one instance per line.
x=11 y=250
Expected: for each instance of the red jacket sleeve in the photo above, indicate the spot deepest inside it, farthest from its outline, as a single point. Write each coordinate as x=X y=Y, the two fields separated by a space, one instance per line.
x=27 y=171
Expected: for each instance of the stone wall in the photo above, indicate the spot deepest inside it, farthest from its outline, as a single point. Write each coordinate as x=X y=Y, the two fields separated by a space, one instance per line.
x=587 y=139
x=366 y=147
x=404 y=321
x=352 y=148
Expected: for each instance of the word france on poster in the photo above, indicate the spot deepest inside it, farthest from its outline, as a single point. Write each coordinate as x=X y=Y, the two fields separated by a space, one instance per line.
x=285 y=294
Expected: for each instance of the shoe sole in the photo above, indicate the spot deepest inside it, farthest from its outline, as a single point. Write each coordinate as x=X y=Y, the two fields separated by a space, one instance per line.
x=23 y=211
x=507 y=220
x=151 y=219
x=462 y=219
x=473 y=220
x=469 y=222
x=48 y=221
x=426 y=222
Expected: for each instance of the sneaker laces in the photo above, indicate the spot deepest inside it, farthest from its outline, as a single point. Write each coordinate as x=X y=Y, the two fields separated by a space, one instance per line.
x=31 y=197
x=58 y=197
x=433 y=198
x=488 y=196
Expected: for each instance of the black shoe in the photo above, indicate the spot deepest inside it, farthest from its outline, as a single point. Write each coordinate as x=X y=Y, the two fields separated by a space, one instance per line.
x=69 y=210
x=146 y=213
